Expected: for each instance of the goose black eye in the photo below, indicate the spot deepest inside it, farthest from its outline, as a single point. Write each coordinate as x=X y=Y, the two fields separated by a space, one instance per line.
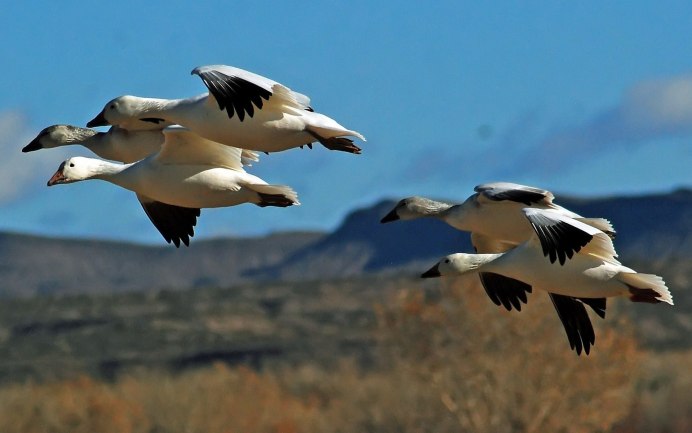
x=446 y=260
x=112 y=107
x=72 y=164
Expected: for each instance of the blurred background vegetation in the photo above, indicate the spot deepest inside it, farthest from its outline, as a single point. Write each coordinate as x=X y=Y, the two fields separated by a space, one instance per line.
x=371 y=354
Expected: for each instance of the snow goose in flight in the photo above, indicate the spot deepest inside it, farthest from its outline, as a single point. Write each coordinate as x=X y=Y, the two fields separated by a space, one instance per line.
x=174 y=222
x=592 y=273
x=187 y=174
x=118 y=144
x=494 y=217
x=497 y=223
x=241 y=109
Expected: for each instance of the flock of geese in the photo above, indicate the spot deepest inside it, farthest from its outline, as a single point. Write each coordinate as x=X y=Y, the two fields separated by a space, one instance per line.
x=181 y=155
x=524 y=241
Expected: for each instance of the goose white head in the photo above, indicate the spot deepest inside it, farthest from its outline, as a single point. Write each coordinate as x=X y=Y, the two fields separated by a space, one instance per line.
x=59 y=135
x=75 y=169
x=415 y=207
x=453 y=264
x=129 y=112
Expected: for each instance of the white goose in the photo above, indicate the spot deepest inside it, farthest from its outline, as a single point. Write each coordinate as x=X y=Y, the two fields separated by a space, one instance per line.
x=242 y=109
x=592 y=273
x=187 y=174
x=494 y=216
x=118 y=144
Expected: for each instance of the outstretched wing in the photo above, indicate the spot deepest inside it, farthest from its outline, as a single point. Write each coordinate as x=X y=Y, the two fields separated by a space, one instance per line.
x=561 y=236
x=176 y=224
x=504 y=291
x=598 y=305
x=238 y=91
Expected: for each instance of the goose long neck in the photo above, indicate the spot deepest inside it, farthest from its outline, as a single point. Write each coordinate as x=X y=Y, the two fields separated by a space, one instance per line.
x=106 y=170
x=156 y=105
x=85 y=136
x=431 y=208
x=170 y=105
x=492 y=263
x=485 y=260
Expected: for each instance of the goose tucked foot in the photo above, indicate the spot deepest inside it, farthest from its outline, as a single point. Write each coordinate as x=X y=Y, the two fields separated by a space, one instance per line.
x=278 y=200
x=336 y=143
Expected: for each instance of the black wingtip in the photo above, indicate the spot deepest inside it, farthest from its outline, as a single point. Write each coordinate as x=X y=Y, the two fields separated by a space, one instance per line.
x=234 y=94
x=576 y=323
x=598 y=305
x=505 y=291
x=559 y=240
x=176 y=224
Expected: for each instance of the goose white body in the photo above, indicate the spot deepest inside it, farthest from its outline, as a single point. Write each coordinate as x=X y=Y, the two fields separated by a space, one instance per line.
x=271 y=129
x=193 y=186
x=583 y=276
x=188 y=173
x=242 y=110
x=591 y=272
x=493 y=214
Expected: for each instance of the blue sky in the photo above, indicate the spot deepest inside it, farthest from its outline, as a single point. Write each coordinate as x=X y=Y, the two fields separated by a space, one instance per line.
x=583 y=98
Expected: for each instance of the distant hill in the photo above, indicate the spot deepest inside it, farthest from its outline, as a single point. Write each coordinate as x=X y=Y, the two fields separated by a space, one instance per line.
x=32 y=265
x=653 y=229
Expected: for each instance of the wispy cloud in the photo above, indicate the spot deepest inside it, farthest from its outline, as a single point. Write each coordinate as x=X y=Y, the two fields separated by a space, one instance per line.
x=527 y=150
x=649 y=110
x=21 y=173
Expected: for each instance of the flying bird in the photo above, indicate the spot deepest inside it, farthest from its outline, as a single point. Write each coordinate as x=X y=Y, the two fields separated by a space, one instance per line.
x=494 y=216
x=592 y=273
x=187 y=174
x=241 y=109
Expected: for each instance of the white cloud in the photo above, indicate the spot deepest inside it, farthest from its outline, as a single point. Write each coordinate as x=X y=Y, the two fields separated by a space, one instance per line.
x=20 y=172
x=649 y=110
x=659 y=106
x=650 y=113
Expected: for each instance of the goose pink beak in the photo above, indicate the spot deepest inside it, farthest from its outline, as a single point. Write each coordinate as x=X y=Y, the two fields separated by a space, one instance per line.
x=58 y=177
